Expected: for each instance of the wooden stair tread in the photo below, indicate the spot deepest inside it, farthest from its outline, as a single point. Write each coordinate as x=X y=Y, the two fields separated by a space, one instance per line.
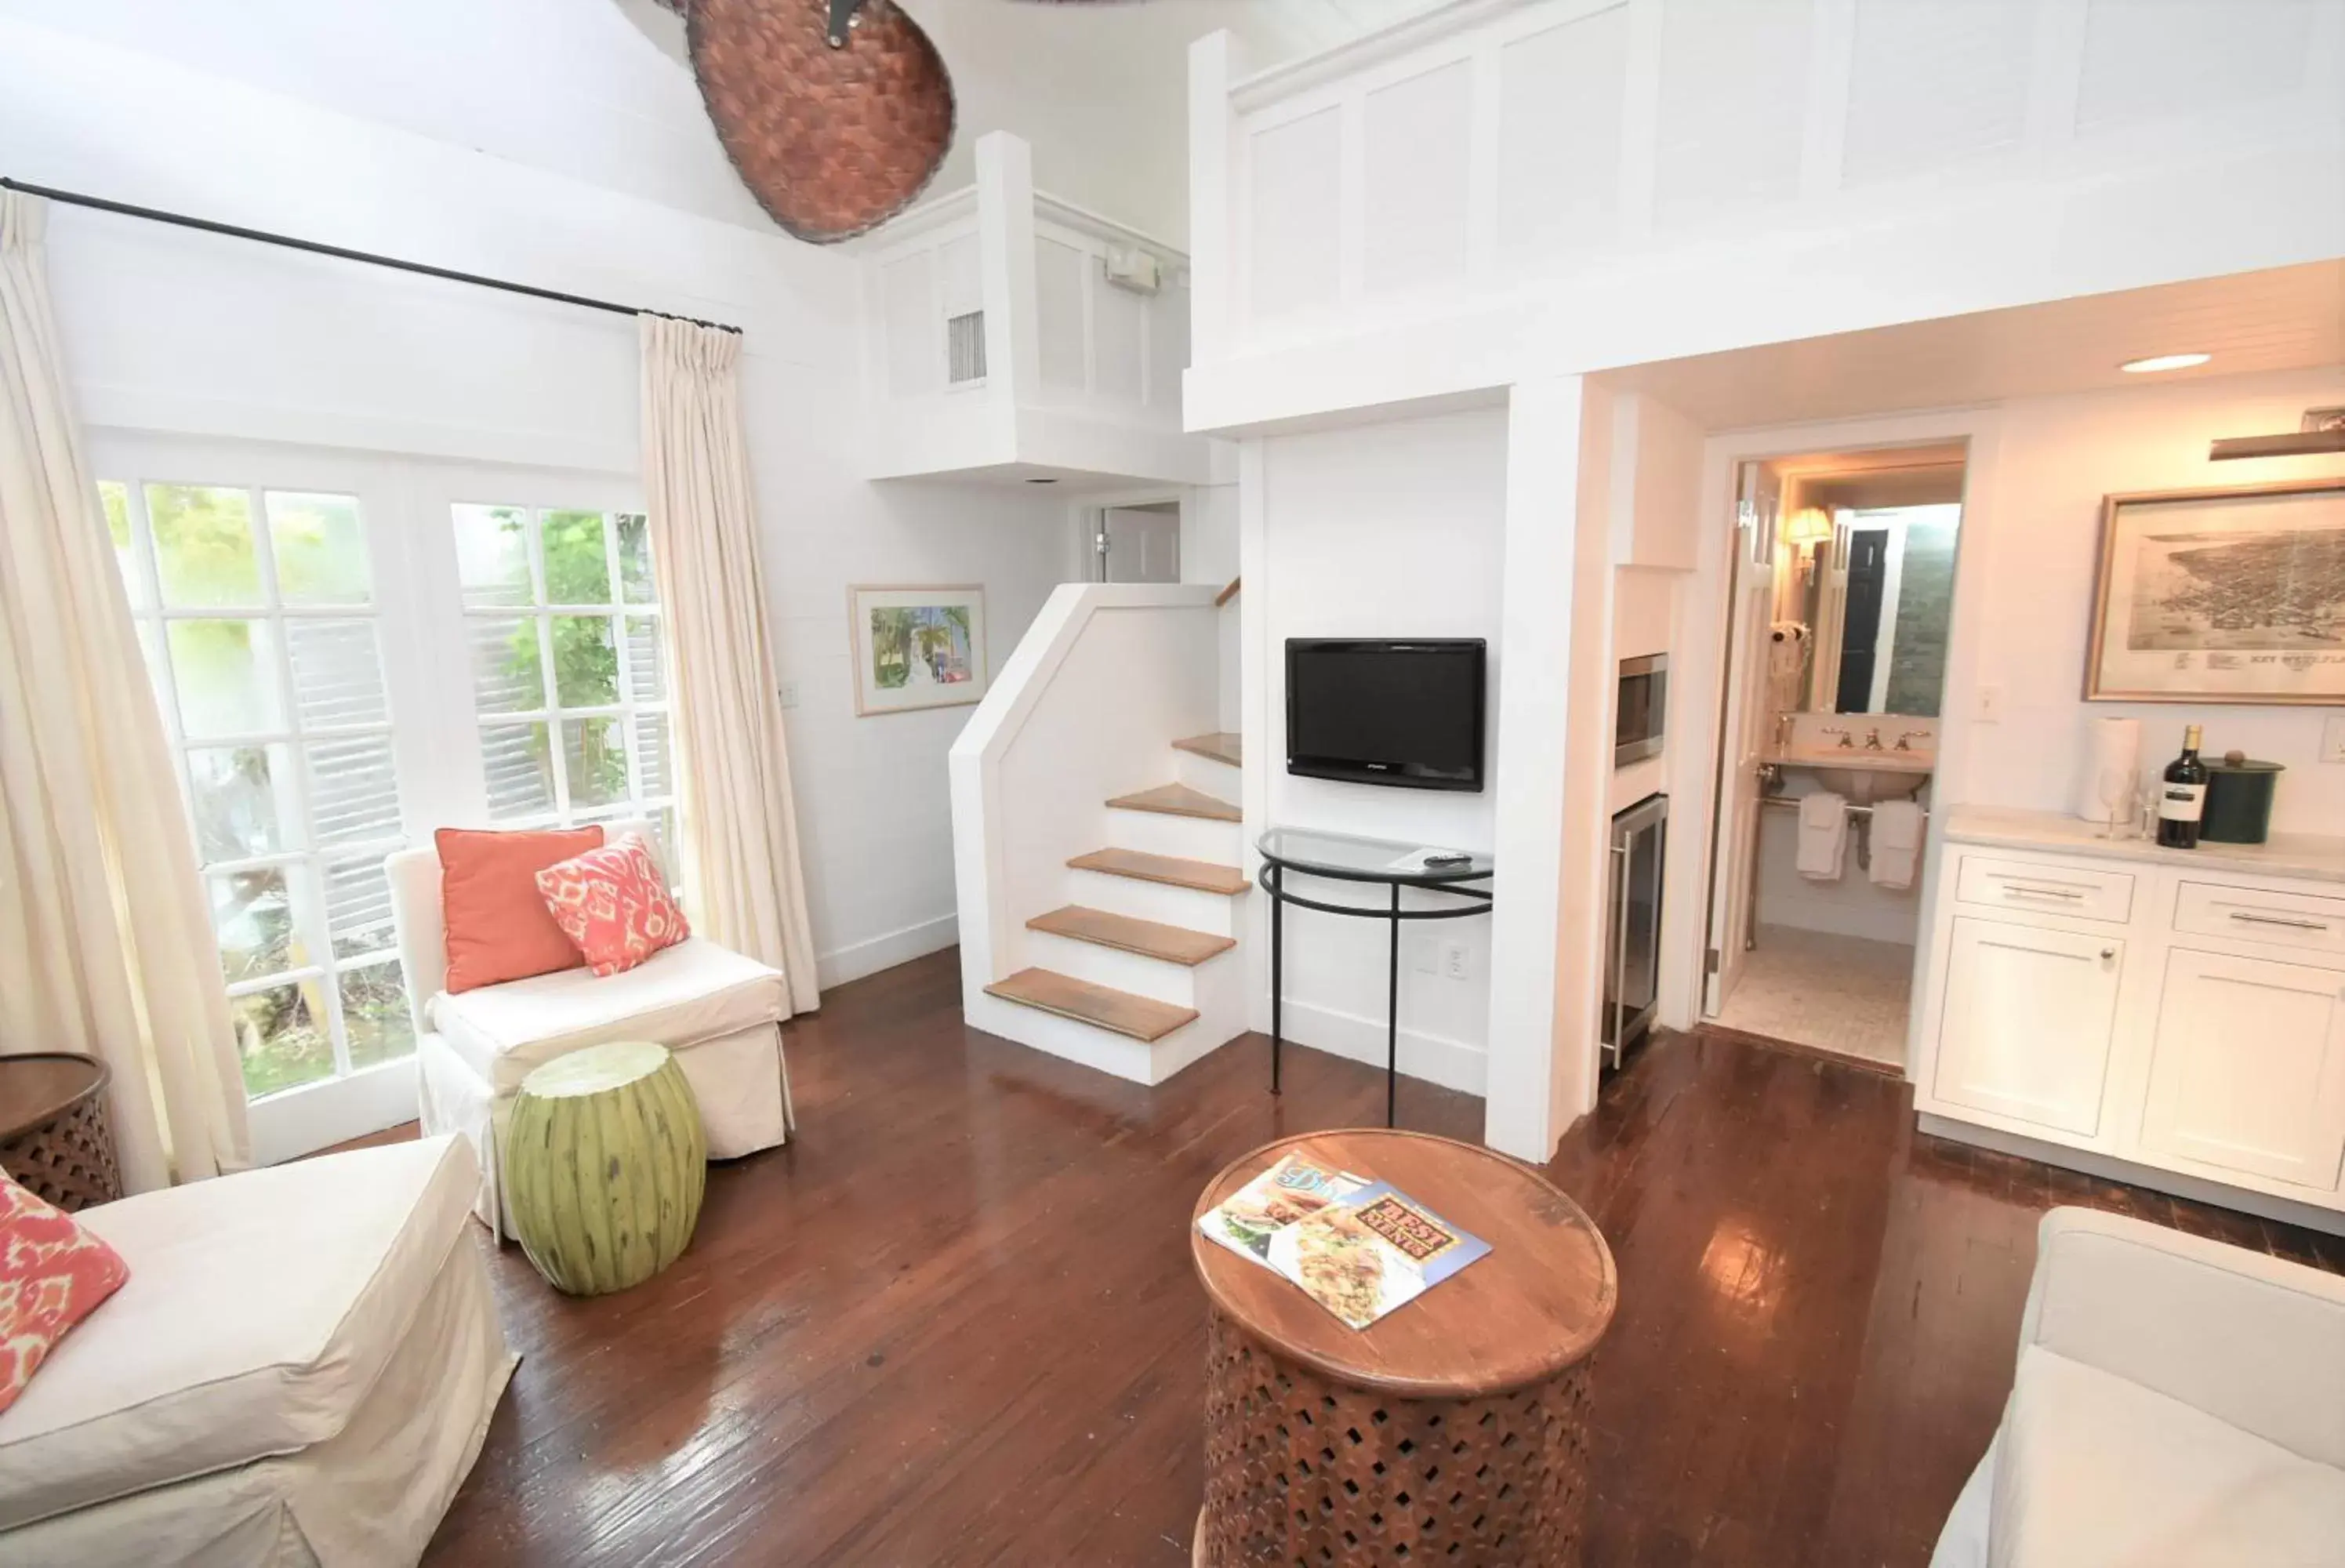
x=1221 y=746
x=1142 y=1018
x=1202 y=874
x=1179 y=800
x=1148 y=938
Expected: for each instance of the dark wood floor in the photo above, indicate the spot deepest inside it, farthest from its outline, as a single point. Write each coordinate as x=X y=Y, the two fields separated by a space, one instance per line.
x=954 y=1321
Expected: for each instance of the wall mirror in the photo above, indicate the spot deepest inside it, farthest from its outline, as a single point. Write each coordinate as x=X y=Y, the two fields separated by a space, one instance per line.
x=1865 y=572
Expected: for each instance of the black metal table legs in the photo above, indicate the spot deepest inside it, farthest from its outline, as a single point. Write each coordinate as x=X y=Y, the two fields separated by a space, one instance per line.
x=1278 y=969
x=1392 y=1011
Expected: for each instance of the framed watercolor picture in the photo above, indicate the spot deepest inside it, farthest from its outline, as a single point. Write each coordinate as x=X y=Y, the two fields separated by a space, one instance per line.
x=2221 y=596
x=917 y=647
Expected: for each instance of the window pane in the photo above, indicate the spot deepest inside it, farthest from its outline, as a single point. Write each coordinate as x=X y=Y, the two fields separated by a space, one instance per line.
x=578 y=567
x=243 y=801
x=354 y=790
x=508 y=676
x=585 y=662
x=493 y=554
x=358 y=907
x=282 y=1039
x=253 y=913
x=321 y=552
x=114 y=497
x=337 y=673
x=650 y=754
x=518 y=769
x=635 y=585
x=203 y=544
x=647 y=660
x=374 y=1014
x=226 y=675
x=593 y=755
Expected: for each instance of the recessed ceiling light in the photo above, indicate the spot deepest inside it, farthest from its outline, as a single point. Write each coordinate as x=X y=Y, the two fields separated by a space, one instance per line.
x=2165 y=362
x=1041 y=481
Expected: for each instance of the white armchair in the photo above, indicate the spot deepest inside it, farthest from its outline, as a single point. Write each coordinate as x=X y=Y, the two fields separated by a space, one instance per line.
x=718 y=1011
x=2177 y=1402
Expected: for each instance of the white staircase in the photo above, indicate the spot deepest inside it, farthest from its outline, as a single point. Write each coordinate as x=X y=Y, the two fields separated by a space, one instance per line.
x=1136 y=973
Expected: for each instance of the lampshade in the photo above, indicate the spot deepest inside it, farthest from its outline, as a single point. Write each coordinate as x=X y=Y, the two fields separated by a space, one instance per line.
x=1809 y=525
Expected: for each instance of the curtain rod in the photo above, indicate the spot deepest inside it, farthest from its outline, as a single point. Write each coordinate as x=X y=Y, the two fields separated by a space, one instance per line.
x=75 y=198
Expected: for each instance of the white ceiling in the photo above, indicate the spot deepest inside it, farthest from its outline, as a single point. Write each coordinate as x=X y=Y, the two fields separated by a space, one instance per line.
x=1100 y=91
x=2286 y=318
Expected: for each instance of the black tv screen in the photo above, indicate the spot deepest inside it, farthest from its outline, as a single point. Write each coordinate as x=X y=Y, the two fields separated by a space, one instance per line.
x=1389 y=712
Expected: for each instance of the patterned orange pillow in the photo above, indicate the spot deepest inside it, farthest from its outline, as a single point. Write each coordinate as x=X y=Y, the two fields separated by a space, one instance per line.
x=612 y=904
x=53 y=1274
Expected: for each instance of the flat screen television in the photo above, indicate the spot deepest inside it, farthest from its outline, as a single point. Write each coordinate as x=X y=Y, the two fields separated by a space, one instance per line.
x=1406 y=712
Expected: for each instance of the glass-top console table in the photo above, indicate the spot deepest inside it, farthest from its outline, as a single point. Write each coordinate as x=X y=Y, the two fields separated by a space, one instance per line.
x=1342 y=857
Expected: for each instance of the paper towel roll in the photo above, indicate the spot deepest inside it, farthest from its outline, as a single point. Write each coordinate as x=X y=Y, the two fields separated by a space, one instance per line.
x=2115 y=744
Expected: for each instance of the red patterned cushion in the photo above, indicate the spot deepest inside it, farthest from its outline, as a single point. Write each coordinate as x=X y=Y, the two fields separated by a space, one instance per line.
x=53 y=1274
x=612 y=904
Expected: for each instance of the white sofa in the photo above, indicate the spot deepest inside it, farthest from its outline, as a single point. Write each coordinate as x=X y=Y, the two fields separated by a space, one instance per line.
x=2177 y=1404
x=299 y=1370
x=719 y=1012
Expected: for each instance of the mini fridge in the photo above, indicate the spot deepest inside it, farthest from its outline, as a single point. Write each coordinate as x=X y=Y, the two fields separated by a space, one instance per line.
x=1632 y=927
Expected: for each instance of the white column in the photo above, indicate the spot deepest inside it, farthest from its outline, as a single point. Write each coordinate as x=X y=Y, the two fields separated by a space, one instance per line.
x=1553 y=642
x=1005 y=238
x=1214 y=62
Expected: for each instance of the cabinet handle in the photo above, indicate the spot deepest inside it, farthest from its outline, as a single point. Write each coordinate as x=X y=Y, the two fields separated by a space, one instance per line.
x=2041 y=892
x=2275 y=920
x=2107 y=953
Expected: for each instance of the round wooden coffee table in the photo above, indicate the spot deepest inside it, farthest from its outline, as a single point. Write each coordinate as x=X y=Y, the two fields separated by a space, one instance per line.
x=55 y=1140
x=1450 y=1431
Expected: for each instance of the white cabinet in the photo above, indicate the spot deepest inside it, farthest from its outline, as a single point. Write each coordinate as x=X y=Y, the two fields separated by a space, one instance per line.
x=2248 y=1072
x=2029 y=1014
x=2163 y=1013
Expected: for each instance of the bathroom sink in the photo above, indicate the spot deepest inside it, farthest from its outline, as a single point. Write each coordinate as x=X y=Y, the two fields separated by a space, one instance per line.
x=1861 y=777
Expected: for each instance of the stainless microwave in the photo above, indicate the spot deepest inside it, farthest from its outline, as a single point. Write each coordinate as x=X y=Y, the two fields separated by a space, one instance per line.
x=1641 y=712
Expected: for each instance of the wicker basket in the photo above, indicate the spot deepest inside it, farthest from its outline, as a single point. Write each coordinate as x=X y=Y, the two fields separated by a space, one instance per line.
x=831 y=142
x=67 y=1156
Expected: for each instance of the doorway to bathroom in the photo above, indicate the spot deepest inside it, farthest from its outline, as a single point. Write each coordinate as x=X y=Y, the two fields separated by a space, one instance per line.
x=1841 y=602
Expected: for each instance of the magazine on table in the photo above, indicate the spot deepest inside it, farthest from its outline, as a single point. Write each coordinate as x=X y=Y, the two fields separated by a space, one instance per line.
x=1358 y=1248
x=1293 y=1189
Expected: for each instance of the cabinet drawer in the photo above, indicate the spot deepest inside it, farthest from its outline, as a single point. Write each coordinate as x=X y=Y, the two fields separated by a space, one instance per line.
x=2046 y=889
x=2256 y=914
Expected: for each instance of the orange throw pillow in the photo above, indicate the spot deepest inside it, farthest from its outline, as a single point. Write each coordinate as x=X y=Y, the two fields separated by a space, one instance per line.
x=612 y=904
x=498 y=926
x=53 y=1274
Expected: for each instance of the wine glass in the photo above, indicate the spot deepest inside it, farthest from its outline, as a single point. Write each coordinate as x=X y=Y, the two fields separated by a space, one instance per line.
x=2114 y=788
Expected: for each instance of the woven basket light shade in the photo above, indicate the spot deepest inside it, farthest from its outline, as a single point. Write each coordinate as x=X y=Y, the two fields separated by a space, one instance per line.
x=831 y=142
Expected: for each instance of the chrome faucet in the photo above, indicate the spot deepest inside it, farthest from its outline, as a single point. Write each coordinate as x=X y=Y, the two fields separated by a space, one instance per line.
x=1846 y=742
x=1911 y=736
x=1872 y=741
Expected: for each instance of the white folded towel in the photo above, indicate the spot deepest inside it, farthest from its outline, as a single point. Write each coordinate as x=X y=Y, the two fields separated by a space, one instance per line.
x=1897 y=843
x=1823 y=835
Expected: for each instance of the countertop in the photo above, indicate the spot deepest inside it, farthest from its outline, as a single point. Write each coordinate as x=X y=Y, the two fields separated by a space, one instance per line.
x=2313 y=855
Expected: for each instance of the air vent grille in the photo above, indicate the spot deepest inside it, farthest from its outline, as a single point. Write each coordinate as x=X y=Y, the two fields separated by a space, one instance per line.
x=965 y=348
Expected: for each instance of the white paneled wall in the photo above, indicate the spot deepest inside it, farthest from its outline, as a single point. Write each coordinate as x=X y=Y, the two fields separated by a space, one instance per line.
x=1492 y=145
x=1000 y=347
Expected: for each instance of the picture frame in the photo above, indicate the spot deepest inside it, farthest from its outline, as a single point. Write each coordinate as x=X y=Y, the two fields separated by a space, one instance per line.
x=2232 y=595
x=914 y=646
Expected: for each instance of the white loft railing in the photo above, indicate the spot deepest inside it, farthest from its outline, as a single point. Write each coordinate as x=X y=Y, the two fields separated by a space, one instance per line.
x=996 y=339
x=1107 y=676
x=1593 y=183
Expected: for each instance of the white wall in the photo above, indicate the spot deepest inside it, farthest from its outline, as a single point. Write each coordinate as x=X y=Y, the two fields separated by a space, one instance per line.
x=173 y=331
x=1394 y=531
x=1513 y=190
x=2057 y=459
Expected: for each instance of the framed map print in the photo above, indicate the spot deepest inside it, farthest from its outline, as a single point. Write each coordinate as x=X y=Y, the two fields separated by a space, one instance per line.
x=917 y=647
x=2221 y=596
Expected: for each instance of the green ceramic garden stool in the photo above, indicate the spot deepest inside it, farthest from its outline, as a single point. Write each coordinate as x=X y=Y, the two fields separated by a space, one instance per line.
x=604 y=1165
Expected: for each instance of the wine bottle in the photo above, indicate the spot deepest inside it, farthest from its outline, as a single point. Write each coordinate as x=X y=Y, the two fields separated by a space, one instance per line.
x=2182 y=798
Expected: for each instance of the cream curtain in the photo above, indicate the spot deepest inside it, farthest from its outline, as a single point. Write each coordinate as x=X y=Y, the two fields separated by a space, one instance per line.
x=741 y=882
x=105 y=946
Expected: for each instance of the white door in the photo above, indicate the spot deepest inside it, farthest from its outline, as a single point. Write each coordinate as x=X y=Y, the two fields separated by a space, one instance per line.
x=2248 y=1071
x=2028 y=1022
x=1141 y=544
x=1742 y=734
